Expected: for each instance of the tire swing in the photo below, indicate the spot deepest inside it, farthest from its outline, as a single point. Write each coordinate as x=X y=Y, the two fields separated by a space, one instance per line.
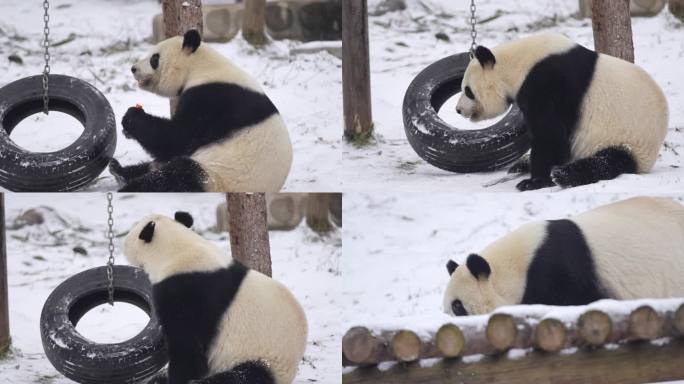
x=450 y=148
x=72 y=167
x=85 y=361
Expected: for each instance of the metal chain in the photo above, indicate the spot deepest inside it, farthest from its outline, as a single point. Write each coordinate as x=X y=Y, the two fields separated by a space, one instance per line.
x=46 y=45
x=473 y=32
x=110 y=261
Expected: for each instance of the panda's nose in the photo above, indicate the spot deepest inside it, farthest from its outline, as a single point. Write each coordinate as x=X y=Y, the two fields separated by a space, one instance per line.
x=458 y=110
x=134 y=69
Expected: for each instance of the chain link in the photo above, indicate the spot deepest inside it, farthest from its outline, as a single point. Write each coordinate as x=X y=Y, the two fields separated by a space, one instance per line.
x=110 y=261
x=473 y=32
x=46 y=45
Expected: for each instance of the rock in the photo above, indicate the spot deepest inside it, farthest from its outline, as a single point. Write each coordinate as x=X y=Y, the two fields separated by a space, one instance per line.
x=442 y=36
x=388 y=6
x=14 y=58
x=284 y=212
x=636 y=7
x=80 y=250
x=29 y=217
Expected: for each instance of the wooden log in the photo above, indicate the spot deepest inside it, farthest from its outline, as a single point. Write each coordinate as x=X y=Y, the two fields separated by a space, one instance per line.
x=361 y=347
x=594 y=327
x=317 y=212
x=644 y=324
x=501 y=331
x=450 y=340
x=358 y=119
x=406 y=346
x=4 y=300
x=550 y=335
x=678 y=320
x=629 y=364
x=254 y=21
x=612 y=27
x=249 y=243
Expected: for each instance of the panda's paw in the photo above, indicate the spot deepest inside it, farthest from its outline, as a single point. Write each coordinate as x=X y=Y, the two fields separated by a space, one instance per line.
x=117 y=170
x=131 y=121
x=534 y=183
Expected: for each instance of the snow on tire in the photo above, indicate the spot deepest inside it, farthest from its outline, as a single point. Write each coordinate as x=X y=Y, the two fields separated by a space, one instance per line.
x=449 y=148
x=88 y=362
x=67 y=169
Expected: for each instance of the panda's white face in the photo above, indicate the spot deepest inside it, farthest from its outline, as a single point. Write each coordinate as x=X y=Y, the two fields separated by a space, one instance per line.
x=482 y=90
x=164 y=247
x=470 y=291
x=165 y=69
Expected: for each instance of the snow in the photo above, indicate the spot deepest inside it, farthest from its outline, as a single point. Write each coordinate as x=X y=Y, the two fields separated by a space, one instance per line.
x=403 y=43
x=41 y=256
x=108 y=36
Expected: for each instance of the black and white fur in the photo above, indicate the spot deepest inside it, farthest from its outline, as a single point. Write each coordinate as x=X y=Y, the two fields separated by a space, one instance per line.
x=226 y=134
x=223 y=323
x=625 y=250
x=590 y=116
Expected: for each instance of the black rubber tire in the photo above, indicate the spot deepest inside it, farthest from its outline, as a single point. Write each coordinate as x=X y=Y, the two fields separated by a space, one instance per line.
x=85 y=361
x=453 y=149
x=67 y=169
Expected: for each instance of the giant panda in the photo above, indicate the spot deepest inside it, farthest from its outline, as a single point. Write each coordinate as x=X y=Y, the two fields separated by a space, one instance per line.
x=223 y=323
x=226 y=135
x=625 y=250
x=590 y=116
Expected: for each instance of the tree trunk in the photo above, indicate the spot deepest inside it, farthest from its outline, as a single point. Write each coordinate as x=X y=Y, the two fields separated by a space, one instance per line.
x=612 y=28
x=317 y=211
x=249 y=230
x=358 y=119
x=676 y=7
x=178 y=19
x=4 y=301
x=254 y=21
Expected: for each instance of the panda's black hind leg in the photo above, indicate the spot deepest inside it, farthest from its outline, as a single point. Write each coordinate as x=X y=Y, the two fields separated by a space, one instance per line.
x=180 y=174
x=249 y=372
x=125 y=173
x=605 y=164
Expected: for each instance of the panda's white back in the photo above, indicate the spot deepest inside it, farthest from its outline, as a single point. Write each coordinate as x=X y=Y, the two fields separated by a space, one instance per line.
x=622 y=107
x=264 y=322
x=636 y=246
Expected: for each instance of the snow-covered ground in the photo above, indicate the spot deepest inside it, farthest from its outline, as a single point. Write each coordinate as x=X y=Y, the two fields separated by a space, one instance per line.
x=403 y=43
x=42 y=256
x=109 y=35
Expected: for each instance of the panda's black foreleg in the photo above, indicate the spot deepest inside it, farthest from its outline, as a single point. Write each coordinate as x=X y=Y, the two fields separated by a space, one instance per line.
x=125 y=173
x=544 y=155
x=249 y=372
x=605 y=164
x=181 y=174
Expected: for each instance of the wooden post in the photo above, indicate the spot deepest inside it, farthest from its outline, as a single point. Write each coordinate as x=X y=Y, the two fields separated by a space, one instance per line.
x=317 y=212
x=254 y=21
x=676 y=7
x=4 y=300
x=178 y=17
x=612 y=27
x=358 y=120
x=249 y=230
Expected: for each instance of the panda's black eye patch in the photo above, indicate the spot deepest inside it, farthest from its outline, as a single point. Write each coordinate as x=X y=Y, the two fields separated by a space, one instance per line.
x=147 y=232
x=154 y=61
x=469 y=93
x=458 y=308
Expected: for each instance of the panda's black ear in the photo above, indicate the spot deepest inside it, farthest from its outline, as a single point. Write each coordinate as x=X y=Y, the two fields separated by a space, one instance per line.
x=184 y=218
x=147 y=232
x=478 y=266
x=191 y=40
x=485 y=57
x=451 y=266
